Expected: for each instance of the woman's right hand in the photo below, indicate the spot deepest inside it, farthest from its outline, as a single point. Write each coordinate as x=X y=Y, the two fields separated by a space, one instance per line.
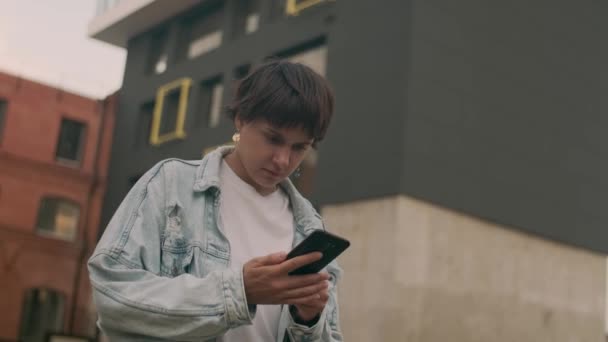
x=267 y=280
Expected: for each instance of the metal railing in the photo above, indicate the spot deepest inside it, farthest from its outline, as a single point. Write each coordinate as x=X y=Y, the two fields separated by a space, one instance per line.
x=104 y=5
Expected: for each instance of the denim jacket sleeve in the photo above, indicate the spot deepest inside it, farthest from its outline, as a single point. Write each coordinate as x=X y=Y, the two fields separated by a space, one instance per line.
x=133 y=298
x=327 y=327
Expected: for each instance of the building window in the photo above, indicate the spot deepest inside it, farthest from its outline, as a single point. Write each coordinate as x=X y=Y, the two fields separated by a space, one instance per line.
x=42 y=313
x=241 y=71
x=106 y=5
x=294 y=7
x=204 y=44
x=170 y=112
x=215 y=112
x=247 y=17
x=58 y=218
x=71 y=141
x=315 y=58
x=253 y=23
x=158 y=54
x=210 y=108
x=3 y=109
x=201 y=33
x=144 y=124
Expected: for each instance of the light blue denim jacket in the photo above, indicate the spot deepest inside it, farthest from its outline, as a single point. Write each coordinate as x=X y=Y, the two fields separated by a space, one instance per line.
x=161 y=269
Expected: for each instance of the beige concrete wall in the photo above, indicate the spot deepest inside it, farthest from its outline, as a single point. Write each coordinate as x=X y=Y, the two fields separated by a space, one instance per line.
x=419 y=273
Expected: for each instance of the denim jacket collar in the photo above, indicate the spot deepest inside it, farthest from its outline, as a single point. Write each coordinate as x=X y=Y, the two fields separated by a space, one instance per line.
x=208 y=173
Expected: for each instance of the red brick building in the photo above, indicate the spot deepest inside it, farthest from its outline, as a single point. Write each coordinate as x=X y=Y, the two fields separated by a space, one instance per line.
x=54 y=152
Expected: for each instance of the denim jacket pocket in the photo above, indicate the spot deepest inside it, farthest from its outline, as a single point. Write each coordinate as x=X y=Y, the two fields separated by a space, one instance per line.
x=176 y=251
x=175 y=262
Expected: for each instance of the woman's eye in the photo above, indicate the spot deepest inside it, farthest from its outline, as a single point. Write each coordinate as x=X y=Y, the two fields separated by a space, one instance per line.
x=274 y=140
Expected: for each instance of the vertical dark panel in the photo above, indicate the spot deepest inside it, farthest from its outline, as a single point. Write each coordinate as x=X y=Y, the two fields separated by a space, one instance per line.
x=367 y=65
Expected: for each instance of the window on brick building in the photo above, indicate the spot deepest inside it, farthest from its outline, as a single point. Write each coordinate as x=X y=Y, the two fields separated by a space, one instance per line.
x=3 y=107
x=58 y=218
x=42 y=313
x=71 y=141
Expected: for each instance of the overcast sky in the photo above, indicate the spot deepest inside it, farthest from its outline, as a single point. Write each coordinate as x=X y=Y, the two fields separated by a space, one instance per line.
x=46 y=40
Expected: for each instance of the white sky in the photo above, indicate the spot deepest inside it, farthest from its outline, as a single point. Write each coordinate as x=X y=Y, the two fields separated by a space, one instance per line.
x=46 y=41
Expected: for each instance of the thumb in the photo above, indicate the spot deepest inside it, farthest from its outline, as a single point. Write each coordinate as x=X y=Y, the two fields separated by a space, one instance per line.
x=272 y=259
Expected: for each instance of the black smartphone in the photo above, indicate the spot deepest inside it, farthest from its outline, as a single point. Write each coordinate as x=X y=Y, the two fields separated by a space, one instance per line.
x=318 y=241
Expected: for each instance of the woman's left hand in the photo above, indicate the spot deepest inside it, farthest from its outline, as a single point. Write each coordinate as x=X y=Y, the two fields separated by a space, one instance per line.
x=310 y=311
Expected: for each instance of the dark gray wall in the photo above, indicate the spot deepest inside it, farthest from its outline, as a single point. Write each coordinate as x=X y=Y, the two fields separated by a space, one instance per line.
x=507 y=114
x=368 y=66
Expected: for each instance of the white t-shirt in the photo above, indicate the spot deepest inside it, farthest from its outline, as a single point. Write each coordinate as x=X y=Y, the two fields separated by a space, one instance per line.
x=255 y=225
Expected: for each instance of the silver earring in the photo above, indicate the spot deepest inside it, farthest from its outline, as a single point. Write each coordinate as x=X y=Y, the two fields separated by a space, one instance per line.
x=297 y=173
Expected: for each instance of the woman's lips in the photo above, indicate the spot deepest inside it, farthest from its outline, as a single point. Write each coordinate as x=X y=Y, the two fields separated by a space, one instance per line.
x=273 y=174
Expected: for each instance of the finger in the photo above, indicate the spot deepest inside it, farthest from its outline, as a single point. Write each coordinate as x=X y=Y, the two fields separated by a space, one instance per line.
x=318 y=303
x=317 y=288
x=323 y=298
x=310 y=300
x=299 y=261
x=297 y=281
x=270 y=259
x=316 y=307
x=324 y=295
x=313 y=305
x=327 y=276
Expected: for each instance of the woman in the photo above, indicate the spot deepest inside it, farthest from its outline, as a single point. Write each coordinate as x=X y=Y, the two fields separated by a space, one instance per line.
x=196 y=251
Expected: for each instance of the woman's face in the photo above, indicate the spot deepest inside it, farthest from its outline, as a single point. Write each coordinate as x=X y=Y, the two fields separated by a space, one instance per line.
x=269 y=154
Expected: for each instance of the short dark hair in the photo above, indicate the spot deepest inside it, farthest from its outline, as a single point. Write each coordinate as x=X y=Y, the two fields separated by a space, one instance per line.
x=285 y=94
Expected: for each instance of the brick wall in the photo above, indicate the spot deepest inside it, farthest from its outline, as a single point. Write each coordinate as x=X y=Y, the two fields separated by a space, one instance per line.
x=29 y=170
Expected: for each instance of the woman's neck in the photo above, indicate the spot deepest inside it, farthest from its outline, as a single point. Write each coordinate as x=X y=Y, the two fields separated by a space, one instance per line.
x=233 y=160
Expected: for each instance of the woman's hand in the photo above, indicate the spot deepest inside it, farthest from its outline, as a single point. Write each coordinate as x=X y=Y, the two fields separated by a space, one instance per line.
x=308 y=313
x=267 y=281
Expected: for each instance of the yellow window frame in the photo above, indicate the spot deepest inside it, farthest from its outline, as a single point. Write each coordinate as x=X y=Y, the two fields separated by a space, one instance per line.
x=183 y=84
x=293 y=7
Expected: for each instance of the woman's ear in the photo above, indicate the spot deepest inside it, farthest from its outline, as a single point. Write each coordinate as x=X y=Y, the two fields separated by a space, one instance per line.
x=238 y=123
